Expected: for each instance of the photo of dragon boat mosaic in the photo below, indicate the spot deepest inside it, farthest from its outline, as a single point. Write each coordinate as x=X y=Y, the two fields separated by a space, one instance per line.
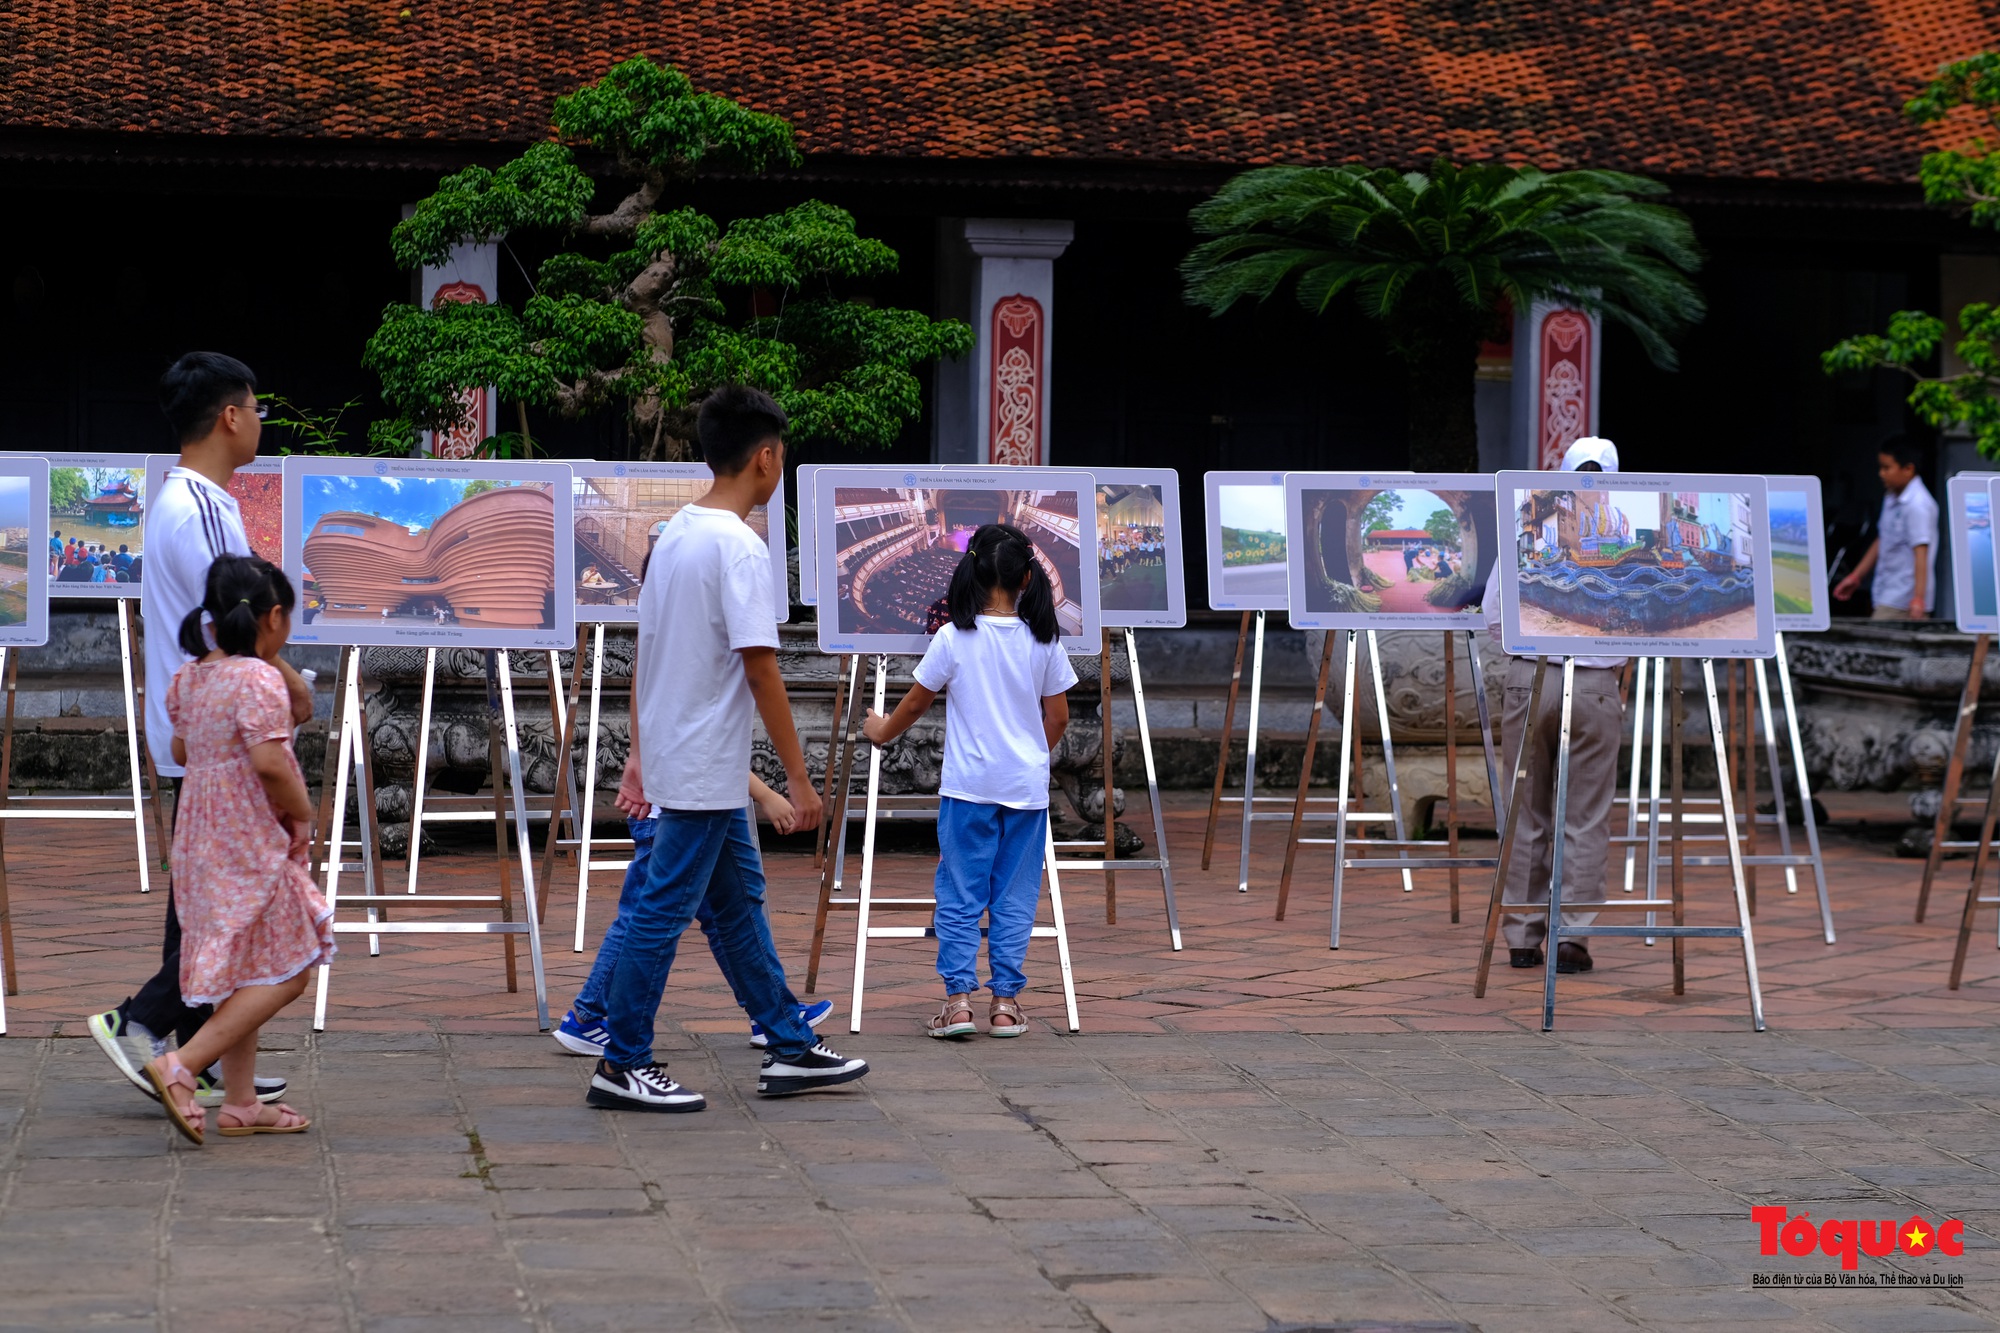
x=1636 y=564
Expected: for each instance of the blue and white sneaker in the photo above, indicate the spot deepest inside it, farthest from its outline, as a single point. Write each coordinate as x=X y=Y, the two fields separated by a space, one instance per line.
x=813 y=1014
x=580 y=1038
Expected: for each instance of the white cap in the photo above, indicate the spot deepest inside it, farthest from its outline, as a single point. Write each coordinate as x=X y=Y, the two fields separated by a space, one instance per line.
x=1591 y=449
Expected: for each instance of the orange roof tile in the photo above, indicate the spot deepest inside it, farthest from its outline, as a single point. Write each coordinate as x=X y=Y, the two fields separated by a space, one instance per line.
x=1806 y=90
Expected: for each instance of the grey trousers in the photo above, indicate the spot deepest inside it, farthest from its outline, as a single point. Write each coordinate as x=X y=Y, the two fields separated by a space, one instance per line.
x=1596 y=723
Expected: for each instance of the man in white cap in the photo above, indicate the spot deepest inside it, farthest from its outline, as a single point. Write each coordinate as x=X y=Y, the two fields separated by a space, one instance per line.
x=1595 y=730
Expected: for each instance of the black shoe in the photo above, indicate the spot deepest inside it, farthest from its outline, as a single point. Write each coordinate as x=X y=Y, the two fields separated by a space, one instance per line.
x=1525 y=958
x=642 y=1088
x=1572 y=958
x=818 y=1068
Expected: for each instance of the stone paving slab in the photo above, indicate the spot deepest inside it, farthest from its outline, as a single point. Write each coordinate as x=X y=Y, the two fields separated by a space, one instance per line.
x=1254 y=1133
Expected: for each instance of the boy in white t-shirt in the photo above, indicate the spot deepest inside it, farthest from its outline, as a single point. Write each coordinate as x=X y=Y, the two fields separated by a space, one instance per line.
x=707 y=665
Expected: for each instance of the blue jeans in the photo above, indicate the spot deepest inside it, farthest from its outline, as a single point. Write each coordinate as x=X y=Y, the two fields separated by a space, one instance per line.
x=991 y=866
x=590 y=1000
x=701 y=860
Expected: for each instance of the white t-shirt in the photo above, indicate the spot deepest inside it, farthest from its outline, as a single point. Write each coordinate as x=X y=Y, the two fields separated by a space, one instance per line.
x=188 y=524
x=1909 y=520
x=707 y=596
x=996 y=676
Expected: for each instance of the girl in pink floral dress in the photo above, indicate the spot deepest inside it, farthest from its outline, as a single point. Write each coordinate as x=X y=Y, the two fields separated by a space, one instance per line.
x=252 y=924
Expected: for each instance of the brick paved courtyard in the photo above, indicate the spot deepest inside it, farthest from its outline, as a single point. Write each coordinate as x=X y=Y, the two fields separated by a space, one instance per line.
x=1253 y=1133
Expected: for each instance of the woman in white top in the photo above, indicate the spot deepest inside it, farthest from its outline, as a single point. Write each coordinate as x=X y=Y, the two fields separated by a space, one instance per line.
x=1007 y=674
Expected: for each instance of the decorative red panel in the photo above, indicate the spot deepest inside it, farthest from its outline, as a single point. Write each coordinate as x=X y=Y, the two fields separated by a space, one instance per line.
x=1563 y=412
x=461 y=440
x=1017 y=383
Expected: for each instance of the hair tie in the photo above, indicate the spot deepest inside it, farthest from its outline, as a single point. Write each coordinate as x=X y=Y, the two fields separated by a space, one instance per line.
x=243 y=601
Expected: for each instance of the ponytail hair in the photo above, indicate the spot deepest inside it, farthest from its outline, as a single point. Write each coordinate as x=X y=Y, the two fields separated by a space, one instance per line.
x=1001 y=556
x=242 y=589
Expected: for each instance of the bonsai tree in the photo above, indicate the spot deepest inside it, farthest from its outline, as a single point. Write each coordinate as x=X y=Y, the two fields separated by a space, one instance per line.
x=647 y=307
x=1431 y=257
x=1967 y=180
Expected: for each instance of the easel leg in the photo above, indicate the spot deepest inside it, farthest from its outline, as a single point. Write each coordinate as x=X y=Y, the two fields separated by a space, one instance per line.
x=1485 y=712
x=836 y=858
x=421 y=778
x=501 y=850
x=10 y=984
x=1250 y=757
x=1153 y=790
x=1680 y=825
x=1105 y=763
x=1558 y=831
x=1805 y=792
x=1981 y=853
x=1451 y=763
x=329 y=830
x=866 y=884
x=1638 y=757
x=1762 y=703
x=1954 y=771
x=1736 y=743
x=1228 y=728
x=1350 y=686
x=1517 y=773
x=564 y=720
x=364 y=800
x=847 y=663
x=1061 y=925
x=136 y=687
x=1388 y=749
x=532 y=915
x=1739 y=880
x=132 y=742
x=1653 y=788
x=1305 y=776
x=586 y=819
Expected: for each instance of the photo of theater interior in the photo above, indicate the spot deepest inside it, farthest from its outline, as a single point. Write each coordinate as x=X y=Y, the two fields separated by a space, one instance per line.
x=897 y=549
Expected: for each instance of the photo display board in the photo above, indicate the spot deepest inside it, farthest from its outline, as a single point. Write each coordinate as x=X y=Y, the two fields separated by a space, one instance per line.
x=258 y=489
x=1140 y=580
x=1801 y=599
x=97 y=523
x=890 y=537
x=808 y=547
x=430 y=552
x=1983 y=537
x=1396 y=550
x=620 y=509
x=1245 y=517
x=26 y=543
x=1632 y=564
x=1969 y=515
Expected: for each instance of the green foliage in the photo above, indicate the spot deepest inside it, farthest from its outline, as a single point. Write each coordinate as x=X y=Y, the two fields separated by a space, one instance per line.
x=314 y=430
x=1966 y=178
x=1443 y=525
x=1431 y=256
x=1379 y=513
x=649 y=309
x=67 y=489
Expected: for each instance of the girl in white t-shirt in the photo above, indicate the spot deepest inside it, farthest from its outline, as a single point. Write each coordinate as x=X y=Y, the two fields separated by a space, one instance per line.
x=1001 y=660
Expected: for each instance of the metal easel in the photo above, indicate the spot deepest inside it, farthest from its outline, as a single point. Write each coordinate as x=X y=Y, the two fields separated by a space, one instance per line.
x=1678 y=931
x=864 y=902
x=347 y=748
x=1342 y=817
x=1108 y=861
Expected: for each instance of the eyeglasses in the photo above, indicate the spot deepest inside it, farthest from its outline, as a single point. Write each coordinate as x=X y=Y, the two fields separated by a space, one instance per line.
x=260 y=409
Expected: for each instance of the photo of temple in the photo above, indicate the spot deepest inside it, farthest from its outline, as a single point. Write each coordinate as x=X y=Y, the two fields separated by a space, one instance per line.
x=488 y=559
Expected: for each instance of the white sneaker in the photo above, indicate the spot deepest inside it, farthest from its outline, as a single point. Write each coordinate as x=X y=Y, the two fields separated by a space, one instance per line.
x=129 y=1044
x=643 y=1088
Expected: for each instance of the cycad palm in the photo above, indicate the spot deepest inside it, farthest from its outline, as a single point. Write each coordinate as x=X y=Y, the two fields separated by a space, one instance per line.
x=1430 y=255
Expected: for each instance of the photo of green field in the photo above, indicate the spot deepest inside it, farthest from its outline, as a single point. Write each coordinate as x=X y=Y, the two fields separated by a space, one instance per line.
x=1791 y=564
x=1791 y=579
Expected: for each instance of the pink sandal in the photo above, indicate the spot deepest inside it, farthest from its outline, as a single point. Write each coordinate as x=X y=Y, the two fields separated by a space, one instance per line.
x=238 y=1121
x=167 y=1074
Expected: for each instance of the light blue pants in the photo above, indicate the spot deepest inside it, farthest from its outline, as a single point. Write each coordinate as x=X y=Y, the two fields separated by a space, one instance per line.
x=991 y=866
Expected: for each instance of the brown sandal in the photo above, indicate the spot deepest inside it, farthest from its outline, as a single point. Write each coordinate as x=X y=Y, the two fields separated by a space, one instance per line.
x=236 y=1121
x=167 y=1075
x=946 y=1021
x=1003 y=1006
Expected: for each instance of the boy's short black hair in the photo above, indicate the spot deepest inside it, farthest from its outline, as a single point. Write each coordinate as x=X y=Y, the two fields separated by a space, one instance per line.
x=197 y=387
x=1906 y=451
x=734 y=422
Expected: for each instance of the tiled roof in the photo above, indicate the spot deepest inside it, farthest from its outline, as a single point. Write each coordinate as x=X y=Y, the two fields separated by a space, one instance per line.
x=1805 y=90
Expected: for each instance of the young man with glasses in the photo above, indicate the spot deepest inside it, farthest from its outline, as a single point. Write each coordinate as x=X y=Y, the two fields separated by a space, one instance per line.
x=211 y=402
